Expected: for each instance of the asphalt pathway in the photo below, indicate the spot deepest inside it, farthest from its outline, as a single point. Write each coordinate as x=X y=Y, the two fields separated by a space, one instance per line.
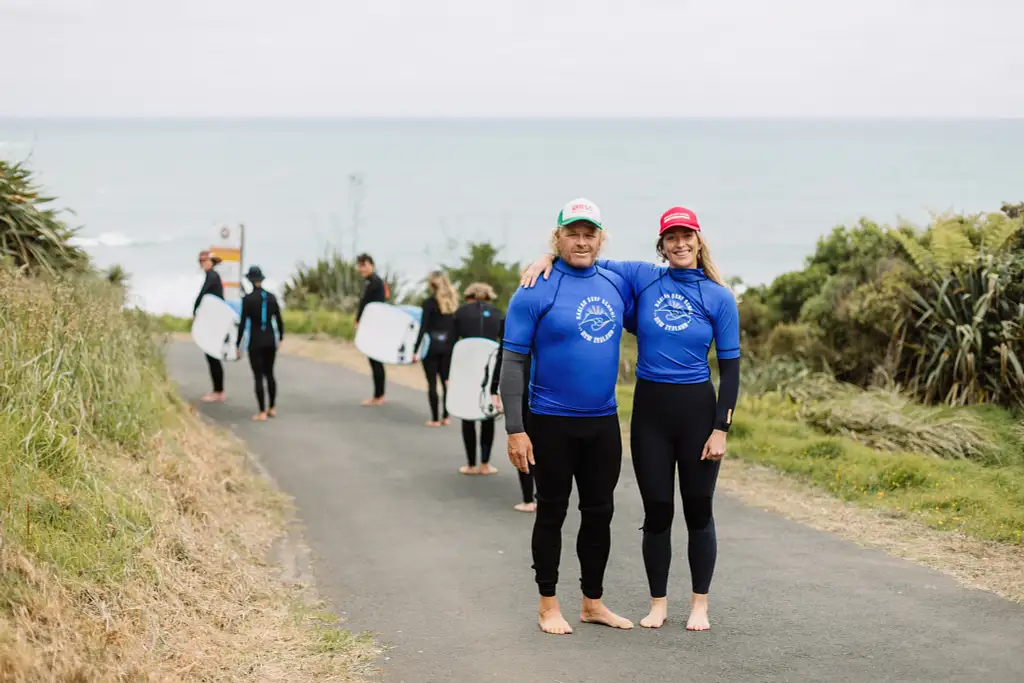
x=438 y=564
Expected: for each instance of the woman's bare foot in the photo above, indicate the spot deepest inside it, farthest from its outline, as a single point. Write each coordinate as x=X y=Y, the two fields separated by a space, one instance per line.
x=466 y=469
x=431 y=423
x=595 y=612
x=526 y=507
x=447 y=421
x=487 y=469
x=373 y=402
x=551 y=619
x=272 y=412
x=261 y=417
x=216 y=397
x=698 y=620
x=658 y=614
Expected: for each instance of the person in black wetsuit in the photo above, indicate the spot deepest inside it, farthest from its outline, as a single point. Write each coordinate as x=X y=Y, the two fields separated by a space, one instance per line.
x=439 y=322
x=212 y=285
x=375 y=290
x=262 y=315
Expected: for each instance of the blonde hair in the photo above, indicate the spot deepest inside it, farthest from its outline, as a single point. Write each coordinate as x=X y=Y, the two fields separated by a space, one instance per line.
x=557 y=232
x=481 y=291
x=441 y=287
x=704 y=259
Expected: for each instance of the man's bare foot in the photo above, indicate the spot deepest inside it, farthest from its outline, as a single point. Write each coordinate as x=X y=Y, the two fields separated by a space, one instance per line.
x=373 y=402
x=487 y=469
x=261 y=417
x=595 y=612
x=526 y=507
x=698 y=620
x=466 y=469
x=551 y=619
x=431 y=423
x=658 y=614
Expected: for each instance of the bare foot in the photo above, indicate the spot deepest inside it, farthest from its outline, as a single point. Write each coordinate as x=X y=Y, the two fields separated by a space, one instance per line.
x=432 y=424
x=595 y=612
x=487 y=469
x=698 y=620
x=262 y=417
x=373 y=402
x=658 y=615
x=272 y=412
x=526 y=507
x=551 y=619
x=447 y=421
x=213 y=398
x=466 y=469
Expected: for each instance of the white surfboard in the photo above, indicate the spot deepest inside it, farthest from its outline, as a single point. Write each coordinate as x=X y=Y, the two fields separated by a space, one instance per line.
x=215 y=327
x=387 y=334
x=469 y=381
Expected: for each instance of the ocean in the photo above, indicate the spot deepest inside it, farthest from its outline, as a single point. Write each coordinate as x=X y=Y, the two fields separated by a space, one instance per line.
x=147 y=193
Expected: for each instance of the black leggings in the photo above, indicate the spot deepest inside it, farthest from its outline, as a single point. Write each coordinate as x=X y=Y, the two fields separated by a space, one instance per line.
x=433 y=365
x=262 y=363
x=671 y=423
x=216 y=373
x=486 y=440
x=588 y=449
x=377 y=368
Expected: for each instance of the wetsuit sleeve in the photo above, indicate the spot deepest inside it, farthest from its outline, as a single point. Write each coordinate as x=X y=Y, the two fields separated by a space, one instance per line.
x=513 y=385
x=241 y=322
x=280 y=321
x=370 y=294
x=637 y=274
x=427 y=319
x=210 y=286
x=497 y=363
x=524 y=312
x=728 y=392
x=725 y=320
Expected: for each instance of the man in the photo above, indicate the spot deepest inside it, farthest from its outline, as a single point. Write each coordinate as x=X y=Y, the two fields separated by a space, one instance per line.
x=374 y=290
x=212 y=285
x=571 y=325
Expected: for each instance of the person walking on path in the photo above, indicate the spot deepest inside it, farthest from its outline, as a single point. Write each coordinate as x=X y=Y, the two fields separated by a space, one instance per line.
x=375 y=290
x=438 y=320
x=261 y=315
x=214 y=286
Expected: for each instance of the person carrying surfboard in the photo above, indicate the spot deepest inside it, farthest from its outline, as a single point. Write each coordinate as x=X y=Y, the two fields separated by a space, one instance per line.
x=261 y=315
x=478 y=317
x=438 y=320
x=682 y=308
x=374 y=290
x=571 y=324
x=211 y=285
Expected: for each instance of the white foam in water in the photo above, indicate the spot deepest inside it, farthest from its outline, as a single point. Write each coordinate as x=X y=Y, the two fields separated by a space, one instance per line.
x=176 y=294
x=116 y=239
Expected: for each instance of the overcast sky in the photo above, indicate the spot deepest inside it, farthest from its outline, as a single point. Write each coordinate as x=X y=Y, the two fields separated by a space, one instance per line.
x=512 y=58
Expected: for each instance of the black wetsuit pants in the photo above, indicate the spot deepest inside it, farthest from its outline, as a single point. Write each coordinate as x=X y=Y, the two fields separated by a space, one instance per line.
x=486 y=440
x=437 y=364
x=589 y=450
x=262 y=363
x=670 y=425
x=377 y=368
x=216 y=373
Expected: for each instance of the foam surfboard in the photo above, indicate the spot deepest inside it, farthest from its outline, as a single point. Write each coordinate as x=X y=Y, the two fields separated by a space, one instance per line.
x=469 y=380
x=215 y=327
x=387 y=334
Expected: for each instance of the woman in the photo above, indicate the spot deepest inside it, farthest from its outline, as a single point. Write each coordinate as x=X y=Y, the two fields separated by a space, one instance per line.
x=677 y=422
x=262 y=316
x=439 y=322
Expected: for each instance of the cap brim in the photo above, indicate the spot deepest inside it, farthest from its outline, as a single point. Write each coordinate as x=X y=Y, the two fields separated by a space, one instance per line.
x=582 y=219
x=688 y=226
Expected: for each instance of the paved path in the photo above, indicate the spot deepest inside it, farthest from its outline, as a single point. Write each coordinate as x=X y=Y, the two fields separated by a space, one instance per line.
x=438 y=564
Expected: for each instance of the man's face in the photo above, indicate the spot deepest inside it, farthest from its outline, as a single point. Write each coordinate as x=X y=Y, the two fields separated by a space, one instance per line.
x=206 y=263
x=579 y=244
x=365 y=268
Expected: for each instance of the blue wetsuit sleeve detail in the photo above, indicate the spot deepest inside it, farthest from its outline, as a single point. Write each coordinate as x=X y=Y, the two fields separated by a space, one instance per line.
x=525 y=310
x=725 y=320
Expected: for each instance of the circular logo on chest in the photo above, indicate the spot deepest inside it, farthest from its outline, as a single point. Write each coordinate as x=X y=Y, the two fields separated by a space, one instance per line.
x=673 y=312
x=595 y=319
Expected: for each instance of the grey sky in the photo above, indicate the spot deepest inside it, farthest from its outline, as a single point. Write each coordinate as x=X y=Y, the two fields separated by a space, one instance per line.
x=518 y=58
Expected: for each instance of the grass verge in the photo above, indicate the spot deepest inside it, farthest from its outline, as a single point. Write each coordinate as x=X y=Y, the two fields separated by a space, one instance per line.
x=134 y=539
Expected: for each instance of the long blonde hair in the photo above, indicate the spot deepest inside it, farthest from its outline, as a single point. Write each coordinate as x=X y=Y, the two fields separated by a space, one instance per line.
x=441 y=287
x=703 y=259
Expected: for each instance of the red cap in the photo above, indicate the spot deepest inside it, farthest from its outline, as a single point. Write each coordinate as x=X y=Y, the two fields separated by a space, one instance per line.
x=678 y=217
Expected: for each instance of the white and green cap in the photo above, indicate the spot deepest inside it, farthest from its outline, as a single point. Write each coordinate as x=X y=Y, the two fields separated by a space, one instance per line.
x=580 y=209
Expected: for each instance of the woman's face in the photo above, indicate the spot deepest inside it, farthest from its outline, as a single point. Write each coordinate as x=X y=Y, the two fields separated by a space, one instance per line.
x=681 y=246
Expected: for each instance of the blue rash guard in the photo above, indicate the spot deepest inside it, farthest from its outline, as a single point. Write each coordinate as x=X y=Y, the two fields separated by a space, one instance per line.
x=678 y=313
x=571 y=325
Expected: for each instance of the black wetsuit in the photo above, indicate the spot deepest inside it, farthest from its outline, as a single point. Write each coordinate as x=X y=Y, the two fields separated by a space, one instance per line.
x=441 y=328
x=212 y=285
x=262 y=313
x=374 y=291
x=525 y=478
